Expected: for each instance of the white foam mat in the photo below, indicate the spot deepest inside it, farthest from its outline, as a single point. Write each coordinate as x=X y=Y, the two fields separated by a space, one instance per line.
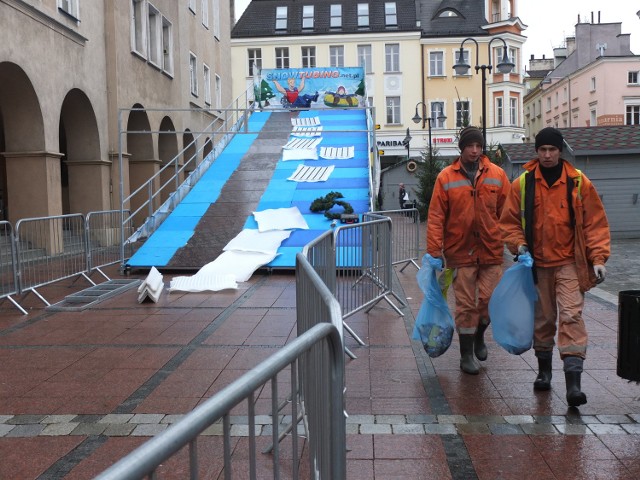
x=252 y=240
x=280 y=219
x=337 y=153
x=305 y=173
x=305 y=122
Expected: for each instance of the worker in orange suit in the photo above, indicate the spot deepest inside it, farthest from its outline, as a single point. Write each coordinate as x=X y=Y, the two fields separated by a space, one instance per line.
x=463 y=230
x=554 y=212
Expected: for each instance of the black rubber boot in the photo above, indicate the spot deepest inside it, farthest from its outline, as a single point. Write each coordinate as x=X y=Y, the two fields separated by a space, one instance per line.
x=543 y=380
x=467 y=362
x=572 y=374
x=479 y=347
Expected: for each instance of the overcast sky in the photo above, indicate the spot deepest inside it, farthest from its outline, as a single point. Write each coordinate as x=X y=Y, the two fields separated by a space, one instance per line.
x=550 y=21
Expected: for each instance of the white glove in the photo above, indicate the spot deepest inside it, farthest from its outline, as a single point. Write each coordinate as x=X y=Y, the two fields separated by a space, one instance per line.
x=522 y=249
x=600 y=272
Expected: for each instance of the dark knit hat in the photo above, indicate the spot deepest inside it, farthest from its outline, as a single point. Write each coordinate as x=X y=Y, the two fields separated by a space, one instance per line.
x=549 y=136
x=468 y=135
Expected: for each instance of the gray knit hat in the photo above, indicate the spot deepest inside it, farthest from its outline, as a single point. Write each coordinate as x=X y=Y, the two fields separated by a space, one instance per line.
x=468 y=135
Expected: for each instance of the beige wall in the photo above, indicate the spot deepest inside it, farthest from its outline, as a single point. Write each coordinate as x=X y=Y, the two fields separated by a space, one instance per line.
x=63 y=82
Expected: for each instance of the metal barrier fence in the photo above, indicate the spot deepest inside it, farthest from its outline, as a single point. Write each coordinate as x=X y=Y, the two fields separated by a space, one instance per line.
x=317 y=355
x=354 y=261
x=103 y=237
x=405 y=241
x=8 y=271
x=50 y=249
x=44 y=250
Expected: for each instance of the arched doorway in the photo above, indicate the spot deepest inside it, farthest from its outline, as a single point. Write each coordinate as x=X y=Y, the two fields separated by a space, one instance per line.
x=84 y=176
x=189 y=157
x=168 y=151
x=30 y=169
x=142 y=164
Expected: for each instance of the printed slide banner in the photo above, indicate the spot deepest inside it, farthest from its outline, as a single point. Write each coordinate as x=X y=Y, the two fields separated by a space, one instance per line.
x=310 y=87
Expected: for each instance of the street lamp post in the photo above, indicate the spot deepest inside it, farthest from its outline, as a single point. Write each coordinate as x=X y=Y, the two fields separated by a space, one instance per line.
x=407 y=143
x=417 y=118
x=504 y=66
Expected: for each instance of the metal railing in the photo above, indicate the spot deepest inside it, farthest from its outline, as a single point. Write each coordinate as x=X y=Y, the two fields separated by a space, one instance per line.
x=44 y=250
x=50 y=249
x=316 y=370
x=405 y=240
x=8 y=261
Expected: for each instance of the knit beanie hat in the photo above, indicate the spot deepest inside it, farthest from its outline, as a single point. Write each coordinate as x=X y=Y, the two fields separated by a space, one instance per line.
x=549 y=136
x=469 y=135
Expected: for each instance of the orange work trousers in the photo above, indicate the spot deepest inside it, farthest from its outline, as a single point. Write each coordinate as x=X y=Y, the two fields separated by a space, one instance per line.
x=560 y=299
x=473 y=286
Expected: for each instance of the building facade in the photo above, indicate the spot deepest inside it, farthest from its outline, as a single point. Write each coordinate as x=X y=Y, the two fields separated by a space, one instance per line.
x=408 y=50
x=76 y=76
x=595 y=81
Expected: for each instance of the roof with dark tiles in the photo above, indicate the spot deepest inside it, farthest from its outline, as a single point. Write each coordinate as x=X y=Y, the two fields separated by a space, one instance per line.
x=604 y=140
x=259 y=18
x=469 y=20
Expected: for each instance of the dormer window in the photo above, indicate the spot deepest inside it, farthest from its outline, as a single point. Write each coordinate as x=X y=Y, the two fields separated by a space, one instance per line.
x=336 y=15
x=447 y=13
x=363 y=15
x=307 y=17
x=281 y=18
x=390 y=14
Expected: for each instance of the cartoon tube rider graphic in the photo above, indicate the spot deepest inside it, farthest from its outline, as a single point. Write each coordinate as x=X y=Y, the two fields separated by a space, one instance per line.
x=292 y=93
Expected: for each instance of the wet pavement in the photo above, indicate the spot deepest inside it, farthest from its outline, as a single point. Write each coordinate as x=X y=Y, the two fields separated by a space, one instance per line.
x=78 y=390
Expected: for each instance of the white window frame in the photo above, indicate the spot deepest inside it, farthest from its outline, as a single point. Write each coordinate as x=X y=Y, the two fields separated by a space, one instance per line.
x=193 y=74
x=363 y=15
x=593 y=84
x=365 y=58
x=336 y=15
x=632 y=77
x=461 y=111
x=632 y=114
x=513 y=111
x=216 y=18
x=436 y=63
x=218 y=91
x=308 y=54
x=499 y=112
x=154 y=36
x=593 y=117
x=392 y=57
x=282 y=57
x=390 y=14
x=392 y=110
x=308 y=12
x=205 y=13
x=253 y=60
x=167 y=46
x=70 y=7
x=281 y=18
x=437 y=112
x=206 y=79
x=336 y=56
x=139 y=27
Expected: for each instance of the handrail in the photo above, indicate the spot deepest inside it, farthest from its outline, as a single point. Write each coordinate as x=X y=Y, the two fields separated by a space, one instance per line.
x=144 y=460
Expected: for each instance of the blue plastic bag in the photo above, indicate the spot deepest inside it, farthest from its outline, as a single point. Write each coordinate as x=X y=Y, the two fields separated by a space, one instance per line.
x=511 y=307
x=434 y=323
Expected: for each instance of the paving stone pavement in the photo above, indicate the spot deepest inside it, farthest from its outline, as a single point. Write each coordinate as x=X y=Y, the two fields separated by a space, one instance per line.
x=78 y=390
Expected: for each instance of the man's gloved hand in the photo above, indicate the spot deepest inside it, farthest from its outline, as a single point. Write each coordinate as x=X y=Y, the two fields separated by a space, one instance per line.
x=600 y=272
x=522 y=249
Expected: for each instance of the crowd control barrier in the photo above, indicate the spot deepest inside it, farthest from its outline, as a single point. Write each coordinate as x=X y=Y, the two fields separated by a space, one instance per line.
x=316 y=363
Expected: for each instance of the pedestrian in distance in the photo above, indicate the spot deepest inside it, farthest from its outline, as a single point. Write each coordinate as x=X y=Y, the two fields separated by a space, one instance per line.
x=403 y=196
x=463 y=230
x=554 y=212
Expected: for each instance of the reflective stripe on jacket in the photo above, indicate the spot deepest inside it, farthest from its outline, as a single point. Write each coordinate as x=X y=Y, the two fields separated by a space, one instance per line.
x=463 y=218
x=556 y=241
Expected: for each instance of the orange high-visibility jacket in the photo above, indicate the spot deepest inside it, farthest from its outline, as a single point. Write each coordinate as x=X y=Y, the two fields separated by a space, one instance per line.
x=463 y=219
x=556 y=241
